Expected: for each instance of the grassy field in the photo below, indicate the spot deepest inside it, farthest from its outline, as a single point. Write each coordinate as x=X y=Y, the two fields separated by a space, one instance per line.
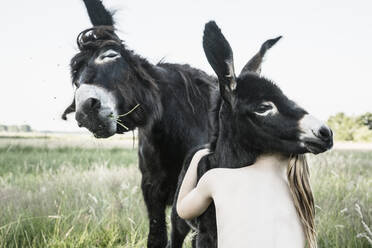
x=63 y=196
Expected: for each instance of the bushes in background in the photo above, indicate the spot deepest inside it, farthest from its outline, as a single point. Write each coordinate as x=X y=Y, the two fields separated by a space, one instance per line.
x=15 y=128
x=351 y=128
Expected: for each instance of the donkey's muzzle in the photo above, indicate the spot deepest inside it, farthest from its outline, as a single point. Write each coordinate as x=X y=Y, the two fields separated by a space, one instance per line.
x=95 y=118
x=325 y=134
x=321 y=141
x=316 y=136
x=87 y=114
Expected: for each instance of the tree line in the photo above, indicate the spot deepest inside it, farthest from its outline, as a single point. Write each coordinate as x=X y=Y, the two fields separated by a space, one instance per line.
x=15 y=128
x=351 y=128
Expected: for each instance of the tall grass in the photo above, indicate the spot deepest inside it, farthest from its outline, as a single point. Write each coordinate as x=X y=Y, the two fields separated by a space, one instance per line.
x=340 y=180
x=70 y=197
x=76 y=197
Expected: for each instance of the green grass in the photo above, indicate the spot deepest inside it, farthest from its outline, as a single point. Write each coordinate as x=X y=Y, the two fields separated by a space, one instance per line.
x=70 y=197
x=79 y=197
x=342 y=179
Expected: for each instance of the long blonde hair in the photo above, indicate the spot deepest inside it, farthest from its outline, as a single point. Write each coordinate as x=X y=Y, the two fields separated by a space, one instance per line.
x=299 y=184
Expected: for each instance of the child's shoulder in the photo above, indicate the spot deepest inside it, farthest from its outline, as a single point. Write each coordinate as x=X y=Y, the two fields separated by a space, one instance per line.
x=215 y=174
x=227 y=175
x=217 y=171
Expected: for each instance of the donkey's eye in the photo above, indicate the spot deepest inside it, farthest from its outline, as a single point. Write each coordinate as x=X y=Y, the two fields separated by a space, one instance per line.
x=262 y=108
x=111 y=55
x=107 y=56
x=265 y=108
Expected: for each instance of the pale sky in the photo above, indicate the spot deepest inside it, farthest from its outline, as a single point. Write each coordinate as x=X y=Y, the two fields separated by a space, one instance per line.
x=324 y=61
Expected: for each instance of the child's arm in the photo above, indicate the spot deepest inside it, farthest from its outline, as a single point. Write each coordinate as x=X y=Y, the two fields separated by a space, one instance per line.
x=193 y=201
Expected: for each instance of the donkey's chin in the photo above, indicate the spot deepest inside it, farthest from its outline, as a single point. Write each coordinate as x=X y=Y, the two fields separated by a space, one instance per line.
x=317 y=146
x=102 y=135
x=107 y=131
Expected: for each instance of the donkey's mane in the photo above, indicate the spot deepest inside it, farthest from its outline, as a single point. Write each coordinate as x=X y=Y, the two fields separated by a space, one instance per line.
x=97 y=37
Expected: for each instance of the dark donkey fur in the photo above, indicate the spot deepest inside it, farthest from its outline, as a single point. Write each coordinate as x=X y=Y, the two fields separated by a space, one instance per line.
x=172 y=116
x=254 y=117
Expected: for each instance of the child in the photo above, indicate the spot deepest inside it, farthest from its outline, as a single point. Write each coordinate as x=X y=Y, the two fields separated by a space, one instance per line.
x=254 y=206
x=261 y=193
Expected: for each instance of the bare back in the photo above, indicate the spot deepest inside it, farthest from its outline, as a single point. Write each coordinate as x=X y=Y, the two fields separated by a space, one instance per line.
x=254 y=206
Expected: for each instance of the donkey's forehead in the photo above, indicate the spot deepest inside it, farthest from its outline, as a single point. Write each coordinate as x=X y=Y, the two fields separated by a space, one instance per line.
x=255 y=88
x=87 y=54
x=83 y=57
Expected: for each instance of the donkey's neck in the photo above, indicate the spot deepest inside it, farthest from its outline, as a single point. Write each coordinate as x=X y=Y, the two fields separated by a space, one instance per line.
x=147 y=75
x=230 y=151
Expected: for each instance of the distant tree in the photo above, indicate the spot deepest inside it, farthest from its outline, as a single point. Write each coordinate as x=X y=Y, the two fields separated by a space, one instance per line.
x=3 y=128
x=363 y=134
x=350 y=128
x=13 y=129
x=25 y=128
x=366 y=120
x=343 y=126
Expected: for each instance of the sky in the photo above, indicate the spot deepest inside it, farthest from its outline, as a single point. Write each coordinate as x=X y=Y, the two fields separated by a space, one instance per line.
x=323 y=62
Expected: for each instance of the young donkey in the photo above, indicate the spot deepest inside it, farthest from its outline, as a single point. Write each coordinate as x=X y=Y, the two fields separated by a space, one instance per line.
x=117 y=91
x=255 y=120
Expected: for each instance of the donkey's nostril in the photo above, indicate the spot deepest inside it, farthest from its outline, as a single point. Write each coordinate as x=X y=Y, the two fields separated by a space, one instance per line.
x=325 y=133
x=93 y=103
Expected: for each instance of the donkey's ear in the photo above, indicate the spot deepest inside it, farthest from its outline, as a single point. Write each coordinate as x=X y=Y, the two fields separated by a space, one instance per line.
x=98 y=14
x=68 y=110
x=254 y=64
x=220 y=57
